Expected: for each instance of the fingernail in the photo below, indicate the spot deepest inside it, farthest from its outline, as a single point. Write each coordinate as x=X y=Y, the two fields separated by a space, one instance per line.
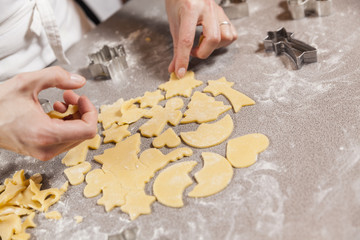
x=77 y=78
x=181 y=72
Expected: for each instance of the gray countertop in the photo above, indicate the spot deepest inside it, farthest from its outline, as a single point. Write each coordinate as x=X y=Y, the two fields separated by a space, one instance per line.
x=306 y=185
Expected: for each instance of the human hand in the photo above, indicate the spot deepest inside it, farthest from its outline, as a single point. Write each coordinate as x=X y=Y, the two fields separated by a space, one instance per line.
x=184 y=16
x=26 y=129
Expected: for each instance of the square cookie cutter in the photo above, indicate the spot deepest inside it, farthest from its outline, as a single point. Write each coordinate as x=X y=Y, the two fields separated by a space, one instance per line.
x=108 y=62
x=281 y=41
x=235 y=9
x=300 y=8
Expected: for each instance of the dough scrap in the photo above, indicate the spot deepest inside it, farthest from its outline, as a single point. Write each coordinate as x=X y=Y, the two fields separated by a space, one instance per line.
x=79 y=219
x=168 y=138
x=242 y=151
x=53 y=215
x=116 y=133
x=203 y=108
x=17 y=203
x=160 y=116
x=72 y=109
x=137 y=203
x=151 y=99
x=236 y=98
x=78 y=154
x=75 y=174
x=170 y=184
x=208 y=135
x=213 y=177
x=180 y=87
x=110 y=114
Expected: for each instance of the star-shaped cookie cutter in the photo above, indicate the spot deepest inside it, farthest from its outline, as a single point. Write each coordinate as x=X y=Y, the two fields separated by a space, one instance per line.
x=108 y=62
x=299 y=8
x=282 y=41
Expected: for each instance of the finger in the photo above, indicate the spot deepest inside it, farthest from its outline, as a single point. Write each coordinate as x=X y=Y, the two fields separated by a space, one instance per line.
x=188 y=22
x=171 y=67
x=60 y=107
x=50 y=77
x=70 y=97
x=211 y=34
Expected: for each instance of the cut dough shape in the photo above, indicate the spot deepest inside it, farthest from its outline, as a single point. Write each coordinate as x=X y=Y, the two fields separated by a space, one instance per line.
x=151 y=99
x=208 y=135
x=130 y=112
x=242 y=151
x=168 y=138
x=236 y=98
x=78 y=154
x=160 y=116
x=72 y=109
x=116 y=133
x=78 y=219
x=110 y=114
x=203 y=108
x=213 y=177
x=180 y=87
x=137 y=203
x=23 y=203
x=53 y=215
x=170 y=184
x=75 y=174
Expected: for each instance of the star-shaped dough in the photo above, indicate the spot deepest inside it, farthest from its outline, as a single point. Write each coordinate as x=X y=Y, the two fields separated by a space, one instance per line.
x=150 y=99
x=180 y=87
x=137 y=203
x=110 y=114
x=116 y=133
x=236 y=98
x=203 y=108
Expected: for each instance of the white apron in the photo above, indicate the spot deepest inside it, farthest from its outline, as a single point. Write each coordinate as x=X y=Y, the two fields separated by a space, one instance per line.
x=30 y=33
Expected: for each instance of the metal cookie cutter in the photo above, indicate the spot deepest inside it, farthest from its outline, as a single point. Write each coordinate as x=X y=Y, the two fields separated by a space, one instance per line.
x=282 y=41
x=109 y=62
x=299 y=8
x=235 y=9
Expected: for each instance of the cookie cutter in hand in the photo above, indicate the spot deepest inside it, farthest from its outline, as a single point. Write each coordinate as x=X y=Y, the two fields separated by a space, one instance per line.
x=282 y=41
x=108 y=62
x=300 y=8
x=235 y=9
x=45 y=104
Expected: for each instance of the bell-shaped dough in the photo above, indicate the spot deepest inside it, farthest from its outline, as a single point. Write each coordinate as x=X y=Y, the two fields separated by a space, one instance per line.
x=242 y=151
x=208 y=135
x=213 y=177
x=170 y=184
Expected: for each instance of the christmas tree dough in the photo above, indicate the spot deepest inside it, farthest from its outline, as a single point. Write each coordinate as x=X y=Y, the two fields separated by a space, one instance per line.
x=213 y=177
x=170 y=184
x=180 y=87
x=221 y=86
x=203 y=108
x=242 y=151
x=209 y=134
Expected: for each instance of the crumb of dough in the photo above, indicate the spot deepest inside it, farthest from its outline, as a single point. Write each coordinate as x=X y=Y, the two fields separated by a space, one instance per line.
x=53 y=215
x=78 y=219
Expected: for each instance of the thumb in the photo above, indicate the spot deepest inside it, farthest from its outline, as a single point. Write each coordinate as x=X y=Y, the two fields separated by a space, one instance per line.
x=51 y=77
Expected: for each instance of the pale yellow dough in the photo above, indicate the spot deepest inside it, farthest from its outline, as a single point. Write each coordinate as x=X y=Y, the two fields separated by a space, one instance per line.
x=72 y=109
x=208 y=135
x=75 y=174
x=123 y=175
x=151 y=99
x=242 y=151
x=22 y=197
x=53 y=215
x=221 y=86
x=130 y=112
x=116 y=133
x=180 y=87
x=78 y=219
x=161 y=116
x=203 y=108
x=168 y=138
x=170 y=184
x=213 y=177
x=110 y=114
x=78 y=154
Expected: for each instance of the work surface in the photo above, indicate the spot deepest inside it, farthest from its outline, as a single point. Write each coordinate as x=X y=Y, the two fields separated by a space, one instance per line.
x=306 y=185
